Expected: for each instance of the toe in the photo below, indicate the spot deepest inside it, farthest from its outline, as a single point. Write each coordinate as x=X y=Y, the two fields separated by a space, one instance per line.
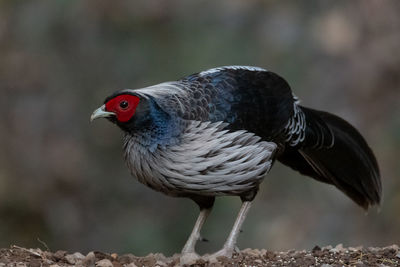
x=189 y=258
x=225 y=252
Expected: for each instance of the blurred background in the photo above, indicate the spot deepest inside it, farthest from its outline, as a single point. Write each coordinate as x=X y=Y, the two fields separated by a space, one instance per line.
x=63 y=180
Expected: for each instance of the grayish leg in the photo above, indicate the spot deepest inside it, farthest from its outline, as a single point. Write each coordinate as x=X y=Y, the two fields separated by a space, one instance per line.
x=195 y=235
x=189 y=255
x=230 y=243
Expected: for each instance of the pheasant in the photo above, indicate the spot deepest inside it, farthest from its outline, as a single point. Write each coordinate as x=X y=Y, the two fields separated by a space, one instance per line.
x=218 y=133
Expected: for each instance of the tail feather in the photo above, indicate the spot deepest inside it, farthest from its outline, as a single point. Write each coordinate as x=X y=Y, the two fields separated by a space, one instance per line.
x=334 y=152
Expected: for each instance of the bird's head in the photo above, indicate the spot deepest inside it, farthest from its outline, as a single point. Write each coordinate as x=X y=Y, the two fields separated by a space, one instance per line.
x=132 y=111
x=123 y=108
x=119 y=108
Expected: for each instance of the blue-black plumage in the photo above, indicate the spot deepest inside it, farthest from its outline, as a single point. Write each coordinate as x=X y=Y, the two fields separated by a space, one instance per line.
x=218 y=132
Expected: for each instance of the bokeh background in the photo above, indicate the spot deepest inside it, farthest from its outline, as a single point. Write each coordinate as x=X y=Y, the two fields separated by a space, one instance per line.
x=63 y=180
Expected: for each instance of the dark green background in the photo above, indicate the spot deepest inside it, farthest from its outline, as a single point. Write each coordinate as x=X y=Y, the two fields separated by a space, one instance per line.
x=63 y=180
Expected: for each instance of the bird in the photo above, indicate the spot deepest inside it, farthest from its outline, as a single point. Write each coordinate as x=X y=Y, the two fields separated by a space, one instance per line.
x=218 y=132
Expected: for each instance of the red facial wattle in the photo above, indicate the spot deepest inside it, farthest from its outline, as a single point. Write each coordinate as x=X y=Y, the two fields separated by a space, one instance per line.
x=124 y=106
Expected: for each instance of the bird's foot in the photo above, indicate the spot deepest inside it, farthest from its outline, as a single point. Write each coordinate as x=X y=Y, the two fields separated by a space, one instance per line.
x=189 y=258
x=224 y=252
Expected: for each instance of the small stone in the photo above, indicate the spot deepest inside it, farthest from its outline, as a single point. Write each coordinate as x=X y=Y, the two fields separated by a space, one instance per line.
x=58 y=255
x=47 y=254
x=398 y=255
x=326 y=265
x=160 y=257
x=104 y=263
x=48 y=261
x=70 y=258
x=90 y=259
x=338 y=248
x=374 y=249
x=35 y=263
x=355 y=249
x=74 y=258
x=395 y=247
x=252 y=252
x=114 y=255
x=54 y=265
x=160 y=264
x=79 y=255
x=131 y=265
x=149 y=260
x=126 y=258
x=316 y=248
x=101 y=255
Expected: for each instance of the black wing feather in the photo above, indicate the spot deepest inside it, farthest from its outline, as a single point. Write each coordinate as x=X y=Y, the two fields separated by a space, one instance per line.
x=257 y=101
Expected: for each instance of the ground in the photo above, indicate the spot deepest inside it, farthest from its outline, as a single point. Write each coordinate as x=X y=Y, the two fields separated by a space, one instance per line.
x=325 y=257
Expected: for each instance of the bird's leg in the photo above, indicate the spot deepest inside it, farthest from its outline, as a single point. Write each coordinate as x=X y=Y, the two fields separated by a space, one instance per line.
x=195 y=235
x=230 y=243
x=189 y=255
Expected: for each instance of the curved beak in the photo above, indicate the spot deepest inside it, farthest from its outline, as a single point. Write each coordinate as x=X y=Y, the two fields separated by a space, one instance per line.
x=101 y=113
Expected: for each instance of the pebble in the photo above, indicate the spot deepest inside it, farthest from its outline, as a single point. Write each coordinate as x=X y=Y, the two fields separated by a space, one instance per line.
x=338 y=248
x=131 y=265
x=354 y=249
x=104 y=263
x=59 y=254
x=252 y=252
x=160 y=263
x=374 y=249
x=79 y=255
x=48 y=261
x=160 y=257
x=90 y=259
x=74 y=258
x=70 y=259
x=398 y=255
x=149 y=260
x=395 y=247
x=126 y=258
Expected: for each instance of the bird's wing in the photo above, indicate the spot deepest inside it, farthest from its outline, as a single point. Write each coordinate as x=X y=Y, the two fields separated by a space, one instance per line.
x=248 y=98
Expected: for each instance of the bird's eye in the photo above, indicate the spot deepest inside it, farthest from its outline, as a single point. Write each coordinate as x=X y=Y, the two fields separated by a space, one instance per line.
x=123 y=104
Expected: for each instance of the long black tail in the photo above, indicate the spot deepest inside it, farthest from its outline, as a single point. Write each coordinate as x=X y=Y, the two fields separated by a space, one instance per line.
x=334 y=152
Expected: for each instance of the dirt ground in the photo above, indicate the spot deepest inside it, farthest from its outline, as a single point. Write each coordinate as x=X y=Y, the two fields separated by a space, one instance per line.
x=325 y=257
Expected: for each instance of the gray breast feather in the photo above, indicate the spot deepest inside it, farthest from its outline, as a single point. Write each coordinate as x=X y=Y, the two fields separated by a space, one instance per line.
x=208 y=161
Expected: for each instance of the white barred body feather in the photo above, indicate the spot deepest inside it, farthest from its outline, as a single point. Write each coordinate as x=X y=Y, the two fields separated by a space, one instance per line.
x=208 y=161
